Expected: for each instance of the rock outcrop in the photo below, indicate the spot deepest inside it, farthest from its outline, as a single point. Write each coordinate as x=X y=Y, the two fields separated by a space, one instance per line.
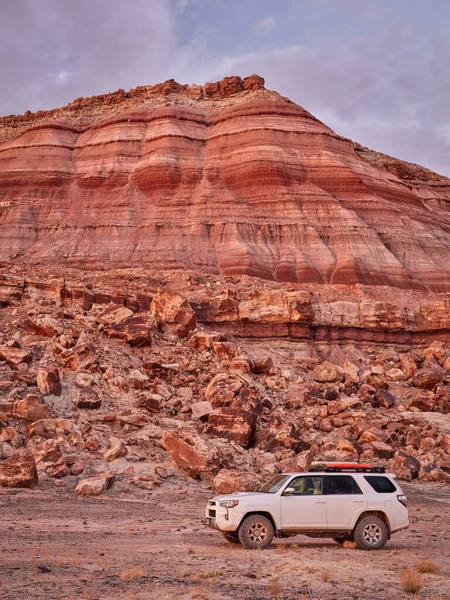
x=229 y=178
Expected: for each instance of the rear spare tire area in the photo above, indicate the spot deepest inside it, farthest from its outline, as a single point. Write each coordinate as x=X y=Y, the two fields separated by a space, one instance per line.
x=370 y=533
x=256 y=531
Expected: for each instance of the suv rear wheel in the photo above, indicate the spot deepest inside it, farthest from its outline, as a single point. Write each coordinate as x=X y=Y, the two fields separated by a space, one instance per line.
x=256 y=531
x=371 y=533
x=231 y=536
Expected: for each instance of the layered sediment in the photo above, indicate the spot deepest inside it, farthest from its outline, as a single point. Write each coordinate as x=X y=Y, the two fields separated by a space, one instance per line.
x=227 y=178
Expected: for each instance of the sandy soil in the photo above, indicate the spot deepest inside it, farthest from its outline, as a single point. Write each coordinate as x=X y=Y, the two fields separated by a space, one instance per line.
x=55 y=545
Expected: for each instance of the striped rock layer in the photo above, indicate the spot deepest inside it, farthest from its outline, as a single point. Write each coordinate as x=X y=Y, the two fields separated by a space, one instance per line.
x=231 y=179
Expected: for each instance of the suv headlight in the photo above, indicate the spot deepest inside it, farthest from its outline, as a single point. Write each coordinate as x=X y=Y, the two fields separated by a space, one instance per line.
x=229 y=503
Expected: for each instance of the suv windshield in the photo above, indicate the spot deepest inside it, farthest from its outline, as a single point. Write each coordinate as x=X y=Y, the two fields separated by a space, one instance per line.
x=274 y=484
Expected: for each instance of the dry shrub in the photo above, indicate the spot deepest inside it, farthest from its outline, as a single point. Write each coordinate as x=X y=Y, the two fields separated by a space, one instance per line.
x=132 y=574
x=294 y=546
x=281 y=547
x=325 y=575
x=209 y=574
x=427 y=566
x=275 y=589
x=411 y=581
x=349 y=545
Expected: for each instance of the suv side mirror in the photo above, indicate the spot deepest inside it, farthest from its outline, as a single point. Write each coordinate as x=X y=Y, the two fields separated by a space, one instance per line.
x=289 y=491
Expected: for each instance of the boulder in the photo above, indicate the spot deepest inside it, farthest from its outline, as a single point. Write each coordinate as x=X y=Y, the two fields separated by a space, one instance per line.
x=222 y=389
x=78 y=358
x=282 y=433
x=228 y=481
x=14 y=356
x=44 y=326
x=325 y=373
x=237 y=422
x=173 y=313
x=31 y=408
x=395 y=375
x=342 y=404
x=95 y=486
x=133 y=330
x=48 y=382
x=47 y=453
x=427 y=379
x=225 y=351
x=115 y=314
x=382 y=450
x=19 y=471
x=442 y=399
x=201 y=410
x=242 y=363
x=384 y=399
x=191 y=453
x=87 y=398
x=203 y=341
x=407 y=365
x=118 y=448
x=424 y=402
x=408 y=465
x=350 y=446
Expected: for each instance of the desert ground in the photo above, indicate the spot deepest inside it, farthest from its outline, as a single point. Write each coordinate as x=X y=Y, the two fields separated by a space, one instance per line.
x=56 y=545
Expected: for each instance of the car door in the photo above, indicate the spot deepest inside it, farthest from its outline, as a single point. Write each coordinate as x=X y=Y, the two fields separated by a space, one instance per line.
x=344 y=500
x=304 y=506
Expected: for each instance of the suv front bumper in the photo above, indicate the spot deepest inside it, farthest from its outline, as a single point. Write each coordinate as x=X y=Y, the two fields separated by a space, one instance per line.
x=221 y=518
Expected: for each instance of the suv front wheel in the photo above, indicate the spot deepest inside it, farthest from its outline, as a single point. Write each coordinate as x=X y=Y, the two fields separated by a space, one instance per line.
x=256 y=531
x=371 y=533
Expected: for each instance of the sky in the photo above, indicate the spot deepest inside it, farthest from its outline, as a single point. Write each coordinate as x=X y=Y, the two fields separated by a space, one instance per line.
x=376 y=71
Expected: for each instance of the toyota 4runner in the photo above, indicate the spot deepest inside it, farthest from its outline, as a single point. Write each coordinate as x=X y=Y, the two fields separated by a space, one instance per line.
x=346 y=501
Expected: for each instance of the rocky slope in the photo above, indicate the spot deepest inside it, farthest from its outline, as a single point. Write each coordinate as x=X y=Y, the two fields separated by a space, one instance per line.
x=226 y=178
x=94 y=392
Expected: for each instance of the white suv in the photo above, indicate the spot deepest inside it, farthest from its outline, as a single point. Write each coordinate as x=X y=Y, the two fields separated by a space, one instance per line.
x=344 y=502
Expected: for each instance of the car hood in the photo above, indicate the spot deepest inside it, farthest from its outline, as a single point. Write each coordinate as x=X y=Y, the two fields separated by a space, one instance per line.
x=240 y=495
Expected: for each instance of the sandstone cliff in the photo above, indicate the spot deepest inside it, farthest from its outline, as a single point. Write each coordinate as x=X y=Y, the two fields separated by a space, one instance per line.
x=226 y=178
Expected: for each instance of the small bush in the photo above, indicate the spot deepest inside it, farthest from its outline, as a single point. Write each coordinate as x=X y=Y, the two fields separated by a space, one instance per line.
x=209 y=574
x=411 y=581
x=132 y=574
x=325 y=575
x=349 y=545
x=275 y=589
x=427 y=566
x=294 y=546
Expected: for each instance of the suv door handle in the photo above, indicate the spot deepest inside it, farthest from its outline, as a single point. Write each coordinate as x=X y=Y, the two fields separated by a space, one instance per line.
x=320 y=501
x=358 y=501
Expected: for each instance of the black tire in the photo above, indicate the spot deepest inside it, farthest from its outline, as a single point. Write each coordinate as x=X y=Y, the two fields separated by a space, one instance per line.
x=231 y=536
x=371 y=533
x=256 y=531
x=340 y=539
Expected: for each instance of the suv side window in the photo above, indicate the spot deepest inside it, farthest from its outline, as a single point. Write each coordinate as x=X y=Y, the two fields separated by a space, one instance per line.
x=342 y=484
x=307 y=486
x=380 y=484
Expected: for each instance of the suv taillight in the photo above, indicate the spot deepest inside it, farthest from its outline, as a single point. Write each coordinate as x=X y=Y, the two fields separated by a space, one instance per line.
x=402 y=499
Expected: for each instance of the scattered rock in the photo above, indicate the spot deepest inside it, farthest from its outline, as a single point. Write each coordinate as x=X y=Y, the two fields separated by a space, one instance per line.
x=19 y=471
x=95 y=486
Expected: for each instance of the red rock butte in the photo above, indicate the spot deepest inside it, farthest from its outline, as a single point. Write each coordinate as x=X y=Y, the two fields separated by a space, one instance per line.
x=227 y=178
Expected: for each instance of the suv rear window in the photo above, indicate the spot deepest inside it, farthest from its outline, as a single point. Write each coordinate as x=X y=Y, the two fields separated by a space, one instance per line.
x=380 y=484
x=342 y=484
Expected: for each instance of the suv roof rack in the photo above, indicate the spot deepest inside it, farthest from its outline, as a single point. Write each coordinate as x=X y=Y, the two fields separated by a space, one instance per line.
x=335 y=467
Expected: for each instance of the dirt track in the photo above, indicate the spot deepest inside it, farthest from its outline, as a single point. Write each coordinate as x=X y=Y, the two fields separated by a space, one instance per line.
x=55 y=545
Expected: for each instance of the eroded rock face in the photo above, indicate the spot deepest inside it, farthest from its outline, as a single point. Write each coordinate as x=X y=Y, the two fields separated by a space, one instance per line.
x=227 y=177
x=191 y=453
